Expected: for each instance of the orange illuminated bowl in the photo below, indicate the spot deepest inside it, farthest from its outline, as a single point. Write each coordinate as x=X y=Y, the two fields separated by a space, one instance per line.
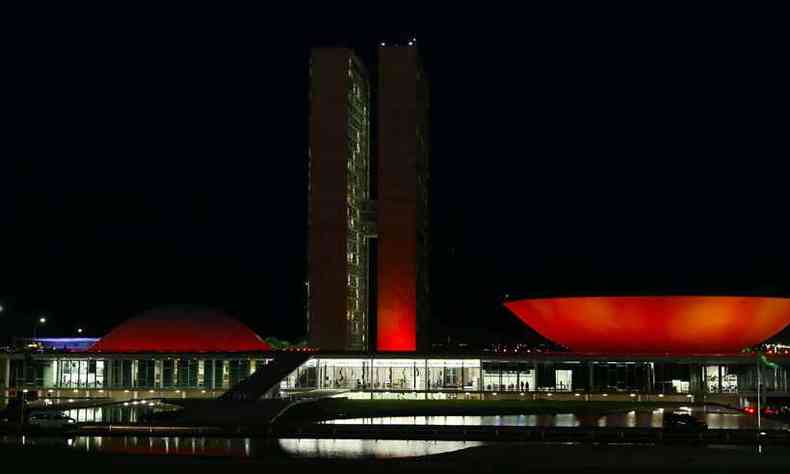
x=655 y=324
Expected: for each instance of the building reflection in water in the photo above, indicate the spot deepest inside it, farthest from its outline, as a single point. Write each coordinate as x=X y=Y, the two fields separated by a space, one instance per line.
x=715 y=417
x=370 y=448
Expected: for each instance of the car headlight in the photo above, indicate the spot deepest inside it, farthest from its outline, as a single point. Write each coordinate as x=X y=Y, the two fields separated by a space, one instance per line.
x=71 y=421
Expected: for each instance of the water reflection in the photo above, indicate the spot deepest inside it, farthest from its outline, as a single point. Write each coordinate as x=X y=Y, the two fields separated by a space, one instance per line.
x=237 y=447
x=716 y=418
x=370 y=448
x=245 y=447
x=118 y=413
x=255 y=447
x=562 y=419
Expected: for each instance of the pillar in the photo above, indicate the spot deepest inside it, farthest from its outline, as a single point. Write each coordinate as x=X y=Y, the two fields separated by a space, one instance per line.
x=5 y=374
x=696 y=380
x=213 y=374
x=134 y=373
x=720 y=377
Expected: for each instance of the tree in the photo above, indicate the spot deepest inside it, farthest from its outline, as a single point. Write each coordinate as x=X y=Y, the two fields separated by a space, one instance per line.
x=277 y=343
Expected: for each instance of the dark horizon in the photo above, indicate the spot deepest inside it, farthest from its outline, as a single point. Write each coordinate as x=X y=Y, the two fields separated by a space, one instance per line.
x=161 y=169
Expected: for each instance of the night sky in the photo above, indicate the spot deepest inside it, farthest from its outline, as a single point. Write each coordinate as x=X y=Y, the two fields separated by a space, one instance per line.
x=167 y=166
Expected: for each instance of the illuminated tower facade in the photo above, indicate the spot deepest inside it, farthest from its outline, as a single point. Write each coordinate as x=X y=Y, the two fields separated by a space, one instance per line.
x=402 y=201
x=338 y=194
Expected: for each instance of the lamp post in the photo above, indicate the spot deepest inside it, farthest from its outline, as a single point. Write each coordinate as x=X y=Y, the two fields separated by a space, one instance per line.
x=40 y=321
x=759 y=424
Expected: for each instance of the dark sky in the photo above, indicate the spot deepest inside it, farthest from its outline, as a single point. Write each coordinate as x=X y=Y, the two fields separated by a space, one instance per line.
x=155 y=166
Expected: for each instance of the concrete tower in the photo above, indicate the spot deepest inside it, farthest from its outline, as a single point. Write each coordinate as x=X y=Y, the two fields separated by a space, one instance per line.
x=402 y=204
x=337 y=286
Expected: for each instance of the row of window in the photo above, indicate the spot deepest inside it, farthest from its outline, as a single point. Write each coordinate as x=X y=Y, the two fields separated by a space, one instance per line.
x=471 y=375
x=138 y=373
x=395 y=374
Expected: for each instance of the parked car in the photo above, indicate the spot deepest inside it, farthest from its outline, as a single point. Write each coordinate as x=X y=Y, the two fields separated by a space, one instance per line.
x=51 y=420
x=11 y=413
x=683 y=422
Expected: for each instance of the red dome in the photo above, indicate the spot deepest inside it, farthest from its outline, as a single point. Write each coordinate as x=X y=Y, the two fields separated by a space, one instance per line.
x=181 y=330
x=655 y=324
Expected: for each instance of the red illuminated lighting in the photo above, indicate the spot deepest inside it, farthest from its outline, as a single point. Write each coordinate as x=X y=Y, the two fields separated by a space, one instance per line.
x=398 y=332
x=397 y=311
x=655 y=324
x=181 y=331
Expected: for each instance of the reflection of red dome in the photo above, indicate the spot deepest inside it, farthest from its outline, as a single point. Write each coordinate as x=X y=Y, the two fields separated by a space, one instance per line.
x=181 y=330
x=655 y=324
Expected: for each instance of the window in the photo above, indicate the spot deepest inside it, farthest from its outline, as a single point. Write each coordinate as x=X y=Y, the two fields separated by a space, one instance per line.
x=168 y=371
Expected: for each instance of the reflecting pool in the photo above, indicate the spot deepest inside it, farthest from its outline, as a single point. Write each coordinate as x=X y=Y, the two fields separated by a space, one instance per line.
x=245 y=447
x=716 y=417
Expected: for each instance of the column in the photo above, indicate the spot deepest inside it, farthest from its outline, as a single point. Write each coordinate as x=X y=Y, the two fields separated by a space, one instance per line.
x=463 y=382
x=6 y=372
x=213 y=366
x=652 y=385
x=696 y=379
x=720 y=377
x=481 y=380
x=427 y=379
x=157 y=374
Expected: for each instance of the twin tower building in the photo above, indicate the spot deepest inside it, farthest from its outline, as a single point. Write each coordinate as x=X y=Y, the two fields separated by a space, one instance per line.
x=368 y=244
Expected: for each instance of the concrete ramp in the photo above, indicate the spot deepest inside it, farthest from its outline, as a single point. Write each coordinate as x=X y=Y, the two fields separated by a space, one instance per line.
x=265 y=378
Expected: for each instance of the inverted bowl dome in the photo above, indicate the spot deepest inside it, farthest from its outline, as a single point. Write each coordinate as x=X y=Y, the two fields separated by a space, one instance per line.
x=181 y=330
x=655 y=324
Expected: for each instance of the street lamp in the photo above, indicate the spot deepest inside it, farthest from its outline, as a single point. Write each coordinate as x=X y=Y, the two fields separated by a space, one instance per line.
x=79 y=330
x=42 y=321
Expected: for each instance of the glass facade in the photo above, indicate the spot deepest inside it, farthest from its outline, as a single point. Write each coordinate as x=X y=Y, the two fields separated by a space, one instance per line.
x=148 y=373
x=78 y=373
x=398 y=377
x=720 y=379
x=387 y=377
x=468 y=375
x=386 y=374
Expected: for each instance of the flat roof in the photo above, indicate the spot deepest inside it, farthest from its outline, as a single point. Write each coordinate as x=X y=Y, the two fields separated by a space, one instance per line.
x=560 y=357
